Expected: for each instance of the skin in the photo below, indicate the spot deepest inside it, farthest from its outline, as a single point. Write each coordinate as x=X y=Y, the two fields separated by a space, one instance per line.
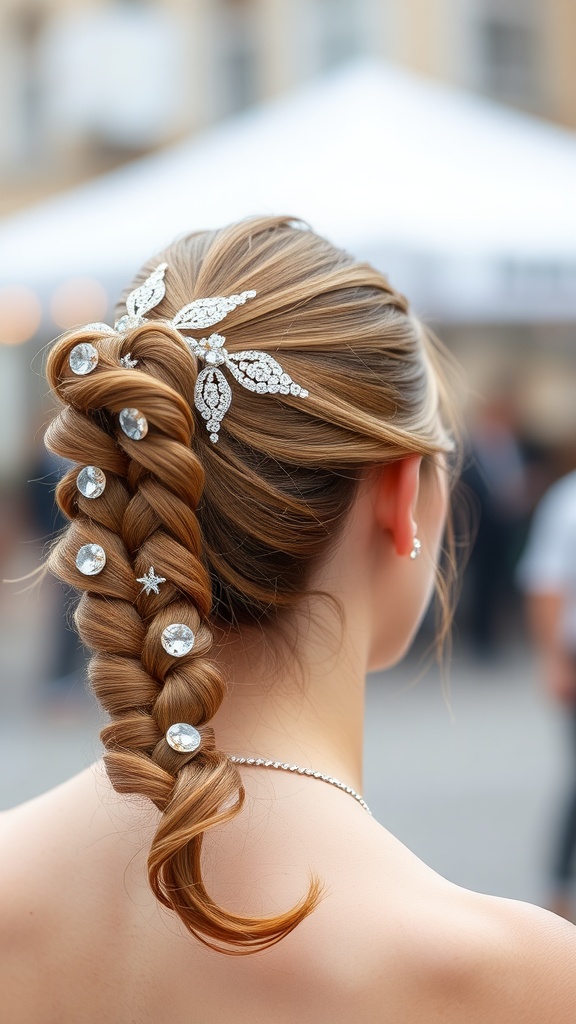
x=83 y=940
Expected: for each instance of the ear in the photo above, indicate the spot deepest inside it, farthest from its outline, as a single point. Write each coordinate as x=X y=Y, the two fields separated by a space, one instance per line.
x=396 y=496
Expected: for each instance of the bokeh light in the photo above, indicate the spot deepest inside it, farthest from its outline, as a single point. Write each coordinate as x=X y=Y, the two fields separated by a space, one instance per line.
x=78 y=300
x=20 y=314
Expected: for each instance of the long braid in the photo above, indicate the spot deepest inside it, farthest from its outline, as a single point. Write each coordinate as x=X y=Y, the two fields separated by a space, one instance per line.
x=249 y=519
x=146 y=517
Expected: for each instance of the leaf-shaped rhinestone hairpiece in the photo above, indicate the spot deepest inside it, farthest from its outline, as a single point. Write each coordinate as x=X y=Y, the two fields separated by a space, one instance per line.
x=143 y=299
x=207 y=312
x=139 y=302
x=254 y=370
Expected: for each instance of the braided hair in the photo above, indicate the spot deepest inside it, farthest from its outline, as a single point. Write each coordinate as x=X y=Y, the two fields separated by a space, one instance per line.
x=234 y=529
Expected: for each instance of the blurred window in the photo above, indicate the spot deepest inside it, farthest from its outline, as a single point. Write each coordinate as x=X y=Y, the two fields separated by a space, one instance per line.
x=22 y=89
x=338 y=30
x=238 y=44
x=507 y=52
x=114 y=75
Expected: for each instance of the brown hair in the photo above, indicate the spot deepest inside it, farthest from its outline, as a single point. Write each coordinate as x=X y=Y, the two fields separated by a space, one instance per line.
x=237 y=527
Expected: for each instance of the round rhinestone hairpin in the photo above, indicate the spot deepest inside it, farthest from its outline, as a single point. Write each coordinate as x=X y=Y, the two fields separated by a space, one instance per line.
x=177 y=639
x=83 y=359
x=133 y=423
x=91 y=481
x=91 y=559
x=183 y=737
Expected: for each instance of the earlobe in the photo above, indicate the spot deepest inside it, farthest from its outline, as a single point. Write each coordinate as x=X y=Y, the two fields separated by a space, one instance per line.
x=397 y=497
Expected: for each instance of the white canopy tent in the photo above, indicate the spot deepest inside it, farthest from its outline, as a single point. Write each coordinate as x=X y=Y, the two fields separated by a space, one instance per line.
x=470 y=207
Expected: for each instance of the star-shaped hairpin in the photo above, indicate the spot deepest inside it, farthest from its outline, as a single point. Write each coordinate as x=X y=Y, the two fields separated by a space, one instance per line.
x=151 y=581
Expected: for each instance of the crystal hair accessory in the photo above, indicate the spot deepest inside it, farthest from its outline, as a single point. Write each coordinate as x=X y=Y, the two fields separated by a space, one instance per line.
x=83 y=359
x=183 y=737
x=91 y=481
x=139 y=302
x=133 y=423
x=254 y=370
x=177 y=639
x=206 y=312
x=150 y=581
x=91 y=559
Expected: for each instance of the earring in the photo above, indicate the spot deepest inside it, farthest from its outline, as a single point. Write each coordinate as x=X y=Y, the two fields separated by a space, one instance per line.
x=416 y=549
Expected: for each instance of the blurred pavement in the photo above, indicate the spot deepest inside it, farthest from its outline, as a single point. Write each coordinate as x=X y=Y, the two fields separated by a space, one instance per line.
x=473 y=792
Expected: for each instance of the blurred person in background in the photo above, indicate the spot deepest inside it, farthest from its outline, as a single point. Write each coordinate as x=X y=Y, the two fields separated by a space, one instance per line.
x=547 y=574
x=64 y=663
x=257 y=516
x=495 y=472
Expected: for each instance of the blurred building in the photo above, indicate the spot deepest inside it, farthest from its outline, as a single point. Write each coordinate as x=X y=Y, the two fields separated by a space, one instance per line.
x=88 y=84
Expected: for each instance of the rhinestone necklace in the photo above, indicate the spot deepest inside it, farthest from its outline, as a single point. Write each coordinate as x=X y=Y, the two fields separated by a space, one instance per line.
x=262 y=762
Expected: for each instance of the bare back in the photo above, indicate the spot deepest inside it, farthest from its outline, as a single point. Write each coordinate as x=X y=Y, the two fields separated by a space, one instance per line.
x=84 y=940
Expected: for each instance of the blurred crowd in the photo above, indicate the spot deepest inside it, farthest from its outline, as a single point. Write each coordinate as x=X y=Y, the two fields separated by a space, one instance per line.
x=505 y=474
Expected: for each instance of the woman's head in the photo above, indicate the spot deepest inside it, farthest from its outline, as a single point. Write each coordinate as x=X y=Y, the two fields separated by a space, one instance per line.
x=240 y=529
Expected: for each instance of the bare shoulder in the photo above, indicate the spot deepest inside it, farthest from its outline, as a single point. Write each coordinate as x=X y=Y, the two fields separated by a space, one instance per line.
x=38 y=848
x=34 y=833
x=58 y=843
x=27 y=841
x=438 y=952
x=463 y=958
x=58 y=853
